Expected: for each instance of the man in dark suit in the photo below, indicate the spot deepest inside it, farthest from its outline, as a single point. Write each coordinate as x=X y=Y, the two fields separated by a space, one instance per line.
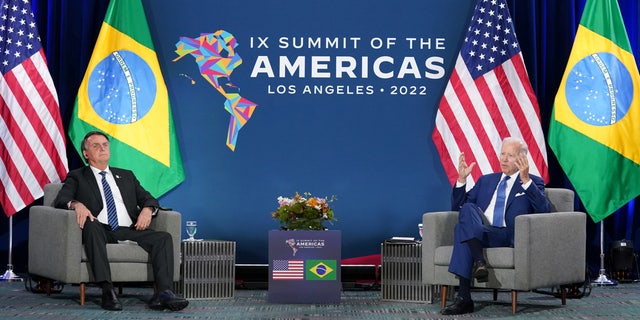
x=110 y=206
x=487 y=215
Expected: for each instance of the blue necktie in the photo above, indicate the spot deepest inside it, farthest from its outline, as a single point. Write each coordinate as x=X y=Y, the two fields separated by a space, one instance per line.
x=112 y=214
x=501 y=196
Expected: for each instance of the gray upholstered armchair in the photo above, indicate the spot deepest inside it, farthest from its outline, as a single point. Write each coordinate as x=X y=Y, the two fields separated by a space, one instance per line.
x=56 y=251
x=549 y=250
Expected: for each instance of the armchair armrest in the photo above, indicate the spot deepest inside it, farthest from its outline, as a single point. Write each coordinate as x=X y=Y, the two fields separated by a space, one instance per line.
x=55 y=244
x=550 y=249
x=437 y=231
x=169 y=221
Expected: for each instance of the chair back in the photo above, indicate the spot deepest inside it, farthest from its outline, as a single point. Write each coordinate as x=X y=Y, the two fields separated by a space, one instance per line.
x=561 y=199
x=50 y=192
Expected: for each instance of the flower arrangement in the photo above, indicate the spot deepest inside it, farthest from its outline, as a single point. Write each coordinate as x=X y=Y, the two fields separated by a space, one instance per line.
x=303 y=212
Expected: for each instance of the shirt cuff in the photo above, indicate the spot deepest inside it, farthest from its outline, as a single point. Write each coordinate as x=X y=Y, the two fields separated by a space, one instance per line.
x=525 y=186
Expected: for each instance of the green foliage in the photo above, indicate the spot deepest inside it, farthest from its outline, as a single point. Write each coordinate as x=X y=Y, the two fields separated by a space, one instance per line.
x=303 y=213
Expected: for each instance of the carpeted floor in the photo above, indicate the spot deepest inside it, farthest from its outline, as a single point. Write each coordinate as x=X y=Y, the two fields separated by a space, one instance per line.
x=615 y=302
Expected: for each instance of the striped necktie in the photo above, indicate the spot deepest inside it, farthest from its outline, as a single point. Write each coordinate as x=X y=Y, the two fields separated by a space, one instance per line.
x=501 y=196
x=112 y=214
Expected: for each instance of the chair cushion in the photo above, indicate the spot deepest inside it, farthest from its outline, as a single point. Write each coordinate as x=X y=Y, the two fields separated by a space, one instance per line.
x=125 y=251
x=497 y=258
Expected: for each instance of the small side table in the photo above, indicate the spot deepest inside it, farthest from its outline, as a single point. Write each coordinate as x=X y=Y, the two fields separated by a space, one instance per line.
x=207 y=269
x=401 y=274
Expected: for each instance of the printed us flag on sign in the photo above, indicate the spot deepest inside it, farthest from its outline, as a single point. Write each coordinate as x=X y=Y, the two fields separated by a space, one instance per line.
x=488 y=98
x=288 y=270
x=32 y=145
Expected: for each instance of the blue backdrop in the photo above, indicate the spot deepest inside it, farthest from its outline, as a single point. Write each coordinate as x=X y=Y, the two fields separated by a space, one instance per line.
x=373 y=151
x=362 y=136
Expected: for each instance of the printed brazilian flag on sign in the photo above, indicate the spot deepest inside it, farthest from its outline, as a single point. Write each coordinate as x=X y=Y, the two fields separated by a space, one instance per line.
x=123 y=94
x=595 y=123
x=321 y=270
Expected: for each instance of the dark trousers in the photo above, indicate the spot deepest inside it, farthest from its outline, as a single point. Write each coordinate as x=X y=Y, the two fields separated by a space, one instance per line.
x=472 y=224
x=158 y=244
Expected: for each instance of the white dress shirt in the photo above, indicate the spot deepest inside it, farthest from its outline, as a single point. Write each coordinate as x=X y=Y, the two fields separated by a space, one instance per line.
x=124 y=220
x=489 y=211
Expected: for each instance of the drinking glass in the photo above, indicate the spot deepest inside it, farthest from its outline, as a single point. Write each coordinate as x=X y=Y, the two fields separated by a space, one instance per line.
x=192 y=228
x=420 y=230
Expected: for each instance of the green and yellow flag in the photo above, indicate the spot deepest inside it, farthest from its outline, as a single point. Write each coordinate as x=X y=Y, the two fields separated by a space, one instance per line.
x=595 y=125
x=123 y=94
x=321 y=270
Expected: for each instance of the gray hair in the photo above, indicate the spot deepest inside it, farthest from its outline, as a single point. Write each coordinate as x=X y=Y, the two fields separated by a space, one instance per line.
x=523 y=145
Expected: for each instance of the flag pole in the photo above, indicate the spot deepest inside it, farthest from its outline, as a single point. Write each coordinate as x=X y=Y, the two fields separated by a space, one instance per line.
x=9 y=275
x=602 y=278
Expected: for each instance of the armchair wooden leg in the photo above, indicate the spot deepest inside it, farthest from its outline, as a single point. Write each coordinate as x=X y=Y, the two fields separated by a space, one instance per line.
x=563 y=294
x=443 y=296
x=47 y=285
x=83 y=288
x=514 y=301
x=495 y=294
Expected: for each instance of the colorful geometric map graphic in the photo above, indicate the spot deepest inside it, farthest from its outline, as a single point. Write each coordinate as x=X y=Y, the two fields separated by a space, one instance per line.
x=216 y=58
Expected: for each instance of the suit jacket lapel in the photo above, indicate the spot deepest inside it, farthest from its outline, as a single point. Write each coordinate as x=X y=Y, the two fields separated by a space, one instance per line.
x=95 y=189
x=487 y=190
x=514 y=190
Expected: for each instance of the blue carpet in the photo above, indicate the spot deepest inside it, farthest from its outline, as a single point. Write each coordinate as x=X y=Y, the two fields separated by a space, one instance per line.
x=616 y=302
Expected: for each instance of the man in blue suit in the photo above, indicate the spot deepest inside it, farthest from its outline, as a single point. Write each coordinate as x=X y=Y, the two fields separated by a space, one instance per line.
x=487 y=215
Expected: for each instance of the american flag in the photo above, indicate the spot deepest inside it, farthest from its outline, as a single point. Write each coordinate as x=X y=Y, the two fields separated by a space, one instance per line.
x=488 y=98
x=288 y=270
x=32 y=145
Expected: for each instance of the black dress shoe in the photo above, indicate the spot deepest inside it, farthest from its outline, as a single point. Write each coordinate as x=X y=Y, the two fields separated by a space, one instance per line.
x=110 y=300
x=154 y=303
x=480 y=272
x=167 y=300
x=460 y=306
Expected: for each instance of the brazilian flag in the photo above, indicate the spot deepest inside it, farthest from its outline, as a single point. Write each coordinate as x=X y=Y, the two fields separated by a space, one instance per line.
x=123 y=94
x=595 y=122
x=321 y=270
